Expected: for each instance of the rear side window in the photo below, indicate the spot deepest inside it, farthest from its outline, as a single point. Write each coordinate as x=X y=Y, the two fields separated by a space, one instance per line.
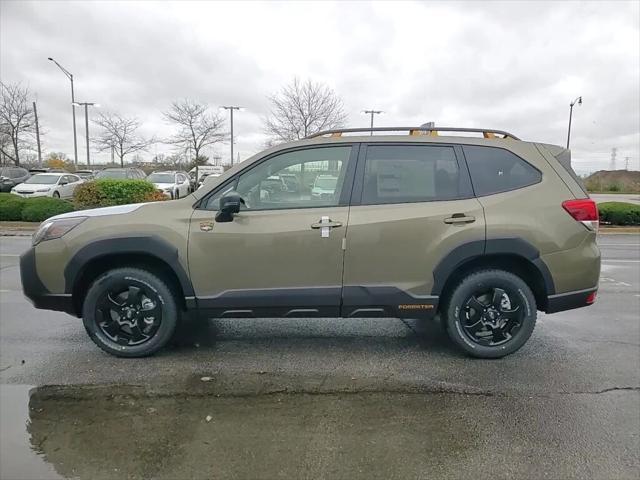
x=412 y=173
x=495 y=170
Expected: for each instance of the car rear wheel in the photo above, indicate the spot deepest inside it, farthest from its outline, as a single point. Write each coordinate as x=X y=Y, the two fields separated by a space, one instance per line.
x=129 y=312
x=490 y=314
x=56 y=195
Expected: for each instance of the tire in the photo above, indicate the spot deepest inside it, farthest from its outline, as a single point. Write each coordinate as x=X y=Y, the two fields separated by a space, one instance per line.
x=145 y=331
x=501 y=297
x=177 y=194
x=56 y=195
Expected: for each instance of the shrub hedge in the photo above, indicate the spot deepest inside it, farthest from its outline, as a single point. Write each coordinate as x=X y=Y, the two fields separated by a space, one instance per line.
x=14 y=208
x=109 y=192
x=619 y=213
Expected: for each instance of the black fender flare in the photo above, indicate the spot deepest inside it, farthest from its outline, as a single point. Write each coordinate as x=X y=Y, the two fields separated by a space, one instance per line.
x=137 y=244
x=494 y=246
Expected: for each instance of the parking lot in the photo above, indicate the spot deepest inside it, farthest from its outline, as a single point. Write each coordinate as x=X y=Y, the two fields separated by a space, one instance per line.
x=320 y=398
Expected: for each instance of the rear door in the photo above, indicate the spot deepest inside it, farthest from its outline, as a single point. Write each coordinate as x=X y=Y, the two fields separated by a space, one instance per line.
x=412 y=206
x=282 y=254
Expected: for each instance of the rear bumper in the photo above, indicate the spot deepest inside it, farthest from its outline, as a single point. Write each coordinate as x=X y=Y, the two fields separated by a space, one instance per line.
x=570 y=300
x=35 y=290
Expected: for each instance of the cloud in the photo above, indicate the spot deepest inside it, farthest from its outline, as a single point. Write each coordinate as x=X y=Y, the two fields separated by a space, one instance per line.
x=509 y=65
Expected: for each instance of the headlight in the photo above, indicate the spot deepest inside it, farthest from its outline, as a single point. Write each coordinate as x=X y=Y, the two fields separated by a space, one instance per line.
x=55 y=229
x=43 y=190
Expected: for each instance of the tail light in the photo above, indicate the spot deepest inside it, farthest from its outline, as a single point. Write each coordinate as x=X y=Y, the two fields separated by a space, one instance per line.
x=592 y=297
x=583 y=210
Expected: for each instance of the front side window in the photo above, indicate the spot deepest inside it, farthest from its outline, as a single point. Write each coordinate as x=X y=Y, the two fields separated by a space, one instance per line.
x=290 y=180
x=411 y=173
x=495 y=170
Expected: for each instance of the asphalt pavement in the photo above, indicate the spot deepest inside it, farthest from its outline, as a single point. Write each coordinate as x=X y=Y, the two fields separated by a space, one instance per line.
x=325 y=398
x=616 y=197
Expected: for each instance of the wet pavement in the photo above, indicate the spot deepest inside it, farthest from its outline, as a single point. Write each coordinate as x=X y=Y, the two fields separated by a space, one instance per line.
x=321 y=398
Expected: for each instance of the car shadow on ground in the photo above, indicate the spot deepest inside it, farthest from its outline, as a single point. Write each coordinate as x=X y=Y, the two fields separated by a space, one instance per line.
x=320 y=333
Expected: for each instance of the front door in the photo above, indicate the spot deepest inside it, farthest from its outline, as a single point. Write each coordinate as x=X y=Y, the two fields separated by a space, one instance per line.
x=282 y=255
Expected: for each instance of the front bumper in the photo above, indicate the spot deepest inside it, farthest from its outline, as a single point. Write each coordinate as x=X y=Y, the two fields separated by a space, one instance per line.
x=32 y=195
x=35 y=290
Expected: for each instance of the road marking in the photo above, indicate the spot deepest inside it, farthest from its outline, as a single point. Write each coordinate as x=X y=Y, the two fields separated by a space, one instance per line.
x=620 y=261
x=8 y=255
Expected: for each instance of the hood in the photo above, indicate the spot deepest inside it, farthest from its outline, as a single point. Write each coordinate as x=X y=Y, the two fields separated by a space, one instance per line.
x=99 y=212
x=164 y=185
x=32 y=187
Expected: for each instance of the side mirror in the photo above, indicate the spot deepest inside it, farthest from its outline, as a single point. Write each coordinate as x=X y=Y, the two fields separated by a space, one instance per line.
x=229 y=205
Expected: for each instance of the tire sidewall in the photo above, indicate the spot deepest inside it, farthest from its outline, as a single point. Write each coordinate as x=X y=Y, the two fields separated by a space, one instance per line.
x=135 y=277
x=56 y=194
x=514 y=286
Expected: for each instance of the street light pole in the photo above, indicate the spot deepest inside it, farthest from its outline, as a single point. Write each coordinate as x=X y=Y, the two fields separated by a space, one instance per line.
x=372 y=113
x=231 y=109
x=86 y=122
x=579 y=100
x=73 y=109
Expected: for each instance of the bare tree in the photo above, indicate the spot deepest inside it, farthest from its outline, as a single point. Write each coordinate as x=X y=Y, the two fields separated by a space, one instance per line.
x=303 y=108
x=120 y=134
x=197 y=128
x=16 y=120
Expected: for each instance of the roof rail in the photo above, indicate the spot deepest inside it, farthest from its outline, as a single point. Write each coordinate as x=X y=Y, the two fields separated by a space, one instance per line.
x=432 y=131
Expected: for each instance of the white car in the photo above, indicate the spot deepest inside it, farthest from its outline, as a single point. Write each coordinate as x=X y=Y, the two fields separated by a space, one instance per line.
x=324 y=186
x=56 y=185
x=172 y=184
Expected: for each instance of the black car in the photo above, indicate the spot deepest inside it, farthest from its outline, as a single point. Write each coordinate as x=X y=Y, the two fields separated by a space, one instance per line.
x=12 y=176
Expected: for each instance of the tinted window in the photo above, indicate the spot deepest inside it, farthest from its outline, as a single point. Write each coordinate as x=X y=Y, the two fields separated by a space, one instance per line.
x=412 y=173
x=495 y=170
x=287 y=180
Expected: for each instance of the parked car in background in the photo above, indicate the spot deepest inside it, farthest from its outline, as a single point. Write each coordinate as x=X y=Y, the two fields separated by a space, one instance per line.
x=121 y=174
x=324 y=186
x=173 y=184
x=206 y=176
x=12 y=176
x=56 y=185
x=85 y=174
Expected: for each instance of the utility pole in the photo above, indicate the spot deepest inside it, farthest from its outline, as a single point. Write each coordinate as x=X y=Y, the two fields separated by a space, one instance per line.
x=86 y=123
x=372 y=113
x=612 y=164
x=231 y=109
x=35 y=114
x=626 y=163
x=73 y=109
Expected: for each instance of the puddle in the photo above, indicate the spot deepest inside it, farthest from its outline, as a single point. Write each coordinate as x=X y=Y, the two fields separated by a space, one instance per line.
x=116 y=432
x=18 y=460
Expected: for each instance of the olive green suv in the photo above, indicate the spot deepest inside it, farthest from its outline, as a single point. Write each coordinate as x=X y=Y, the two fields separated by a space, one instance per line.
x=482 y=229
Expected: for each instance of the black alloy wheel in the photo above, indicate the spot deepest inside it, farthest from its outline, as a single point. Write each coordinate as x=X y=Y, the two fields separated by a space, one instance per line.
x=130 y=312
x=490 y=313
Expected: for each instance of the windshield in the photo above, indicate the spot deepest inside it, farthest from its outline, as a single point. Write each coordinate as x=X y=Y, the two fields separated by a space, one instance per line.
x=161 y=178
x=112 y=174
x=43 y=179
x=328 y=183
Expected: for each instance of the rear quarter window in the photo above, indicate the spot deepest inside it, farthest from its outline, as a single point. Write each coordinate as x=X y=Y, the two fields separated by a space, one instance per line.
x=495 y=170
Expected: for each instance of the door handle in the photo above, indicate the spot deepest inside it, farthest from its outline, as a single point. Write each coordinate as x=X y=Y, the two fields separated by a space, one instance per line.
x=329 y=223
x=459 y=218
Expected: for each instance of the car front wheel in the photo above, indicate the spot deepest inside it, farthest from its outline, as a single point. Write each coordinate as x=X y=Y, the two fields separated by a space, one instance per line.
x=490 y=314
x=56 y=195
x=129 y=312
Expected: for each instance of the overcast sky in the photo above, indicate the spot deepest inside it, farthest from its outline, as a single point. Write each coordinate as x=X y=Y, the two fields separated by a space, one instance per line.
x=507 y=65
